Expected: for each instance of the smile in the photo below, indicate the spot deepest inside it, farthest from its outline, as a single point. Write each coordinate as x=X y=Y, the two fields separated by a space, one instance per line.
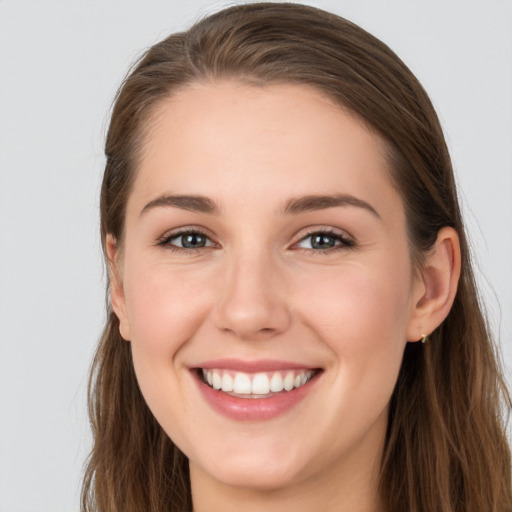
x=255 y=385
x=254 y=391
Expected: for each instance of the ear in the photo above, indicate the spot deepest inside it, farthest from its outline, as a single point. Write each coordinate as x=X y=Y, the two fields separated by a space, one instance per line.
x=117 y=298
x=435 y=286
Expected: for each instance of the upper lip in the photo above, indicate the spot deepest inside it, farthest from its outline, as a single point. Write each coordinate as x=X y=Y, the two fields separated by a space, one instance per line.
x=252 y=366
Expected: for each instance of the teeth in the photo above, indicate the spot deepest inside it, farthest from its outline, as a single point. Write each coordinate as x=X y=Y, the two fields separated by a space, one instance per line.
x=276 y=383
x=260 y=384
x=242 y=384
x=217 y=381
x=227 y=382
x=288 y=381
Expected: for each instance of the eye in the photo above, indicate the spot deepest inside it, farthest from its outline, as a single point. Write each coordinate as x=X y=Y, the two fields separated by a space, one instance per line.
x=324 y=241
x=187 y=240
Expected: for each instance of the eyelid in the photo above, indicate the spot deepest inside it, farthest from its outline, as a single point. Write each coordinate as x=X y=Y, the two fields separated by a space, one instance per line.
x=347 y=240
x=185 y=230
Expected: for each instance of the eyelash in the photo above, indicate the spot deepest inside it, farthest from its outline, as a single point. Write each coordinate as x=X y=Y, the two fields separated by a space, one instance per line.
x=165 y=241
x=342 y=242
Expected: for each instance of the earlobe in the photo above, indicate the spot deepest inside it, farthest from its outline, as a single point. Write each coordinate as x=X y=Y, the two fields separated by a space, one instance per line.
x=117 y=298
x=437 y=287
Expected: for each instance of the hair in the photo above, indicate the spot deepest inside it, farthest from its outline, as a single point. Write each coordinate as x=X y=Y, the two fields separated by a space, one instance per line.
x=446 y=446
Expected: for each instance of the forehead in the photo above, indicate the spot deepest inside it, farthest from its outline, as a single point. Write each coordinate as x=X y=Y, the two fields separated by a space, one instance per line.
x=227 y=139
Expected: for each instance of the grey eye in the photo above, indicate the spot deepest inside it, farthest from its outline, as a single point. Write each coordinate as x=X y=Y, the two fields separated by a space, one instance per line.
x=191 y=241
x=319 y=241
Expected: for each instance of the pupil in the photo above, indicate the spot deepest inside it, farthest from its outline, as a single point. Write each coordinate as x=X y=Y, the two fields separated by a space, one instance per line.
x=193 y=241
x=322 y=242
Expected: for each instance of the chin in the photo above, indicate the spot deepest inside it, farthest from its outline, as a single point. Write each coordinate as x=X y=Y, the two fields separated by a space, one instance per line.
x=254 y=471
x=258 y=478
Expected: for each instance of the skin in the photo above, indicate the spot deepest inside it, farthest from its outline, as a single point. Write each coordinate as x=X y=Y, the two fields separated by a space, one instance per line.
x=259 y=290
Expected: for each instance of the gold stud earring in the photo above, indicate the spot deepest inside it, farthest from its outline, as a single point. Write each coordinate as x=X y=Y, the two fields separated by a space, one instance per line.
x=424 y=338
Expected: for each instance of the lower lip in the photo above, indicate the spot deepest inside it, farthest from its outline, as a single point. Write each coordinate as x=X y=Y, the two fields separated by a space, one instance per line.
x=253 y=409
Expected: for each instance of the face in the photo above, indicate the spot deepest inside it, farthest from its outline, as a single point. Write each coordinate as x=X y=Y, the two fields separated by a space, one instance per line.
x=265 y=251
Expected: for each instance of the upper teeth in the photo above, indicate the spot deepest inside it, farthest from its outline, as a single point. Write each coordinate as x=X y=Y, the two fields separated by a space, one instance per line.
x=256 y=383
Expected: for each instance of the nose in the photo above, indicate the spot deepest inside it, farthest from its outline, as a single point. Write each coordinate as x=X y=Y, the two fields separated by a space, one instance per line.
x=252 y=304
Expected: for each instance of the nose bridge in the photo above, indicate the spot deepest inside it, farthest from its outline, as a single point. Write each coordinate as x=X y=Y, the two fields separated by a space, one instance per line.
x=252 y=304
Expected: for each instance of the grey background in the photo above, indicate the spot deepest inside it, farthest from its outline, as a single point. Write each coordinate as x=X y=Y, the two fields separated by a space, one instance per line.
x=60 y=64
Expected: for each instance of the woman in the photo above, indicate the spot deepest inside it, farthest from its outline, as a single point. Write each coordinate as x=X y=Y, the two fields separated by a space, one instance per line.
x=281 y=225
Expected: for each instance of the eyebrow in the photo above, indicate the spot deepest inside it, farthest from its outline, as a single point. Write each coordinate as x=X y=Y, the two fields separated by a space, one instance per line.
x=293 y=206
x=321 y=202
x=199 y=204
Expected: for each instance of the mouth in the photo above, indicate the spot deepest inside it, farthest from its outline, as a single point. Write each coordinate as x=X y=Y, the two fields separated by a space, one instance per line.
x=258 y=385
x=257 y=390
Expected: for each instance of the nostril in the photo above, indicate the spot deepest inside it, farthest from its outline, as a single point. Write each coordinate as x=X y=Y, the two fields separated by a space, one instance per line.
x=264 y=333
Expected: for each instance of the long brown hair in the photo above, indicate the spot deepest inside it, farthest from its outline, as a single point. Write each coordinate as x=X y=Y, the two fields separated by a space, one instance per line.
x=446 y=447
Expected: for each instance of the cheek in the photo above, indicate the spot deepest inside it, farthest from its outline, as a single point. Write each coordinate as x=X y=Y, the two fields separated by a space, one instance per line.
x=165 y=309
x=361 y=315
x=364 y=304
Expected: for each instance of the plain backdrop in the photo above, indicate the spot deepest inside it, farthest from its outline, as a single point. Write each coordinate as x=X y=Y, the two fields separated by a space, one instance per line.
x=60 y=65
